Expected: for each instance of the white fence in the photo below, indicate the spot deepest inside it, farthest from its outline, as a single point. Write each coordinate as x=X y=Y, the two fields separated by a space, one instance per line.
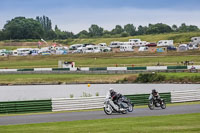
x=156 y=67
x=8 y=70
x=185 y=96
x=62 y=104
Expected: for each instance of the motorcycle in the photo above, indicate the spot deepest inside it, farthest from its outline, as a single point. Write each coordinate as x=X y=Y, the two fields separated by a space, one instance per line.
x=124 y=106
x=156 y=103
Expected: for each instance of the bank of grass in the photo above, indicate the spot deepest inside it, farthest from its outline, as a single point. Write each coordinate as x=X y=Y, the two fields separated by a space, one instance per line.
x=9 y=79
x=102 y=60
x=170 y=123
x=164 y=78
x=23 y=79
x=177 y=37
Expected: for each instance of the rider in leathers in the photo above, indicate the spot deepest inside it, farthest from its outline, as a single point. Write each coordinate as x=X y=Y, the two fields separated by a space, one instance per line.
x=155 y=96
x=114 y=96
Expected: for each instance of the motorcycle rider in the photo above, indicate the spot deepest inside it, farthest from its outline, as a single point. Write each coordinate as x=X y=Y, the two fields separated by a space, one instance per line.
x=114 y=96
x=155 y=95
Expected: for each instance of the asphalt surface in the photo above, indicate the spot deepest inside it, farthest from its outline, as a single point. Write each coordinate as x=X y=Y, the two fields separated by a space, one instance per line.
x=91 y=115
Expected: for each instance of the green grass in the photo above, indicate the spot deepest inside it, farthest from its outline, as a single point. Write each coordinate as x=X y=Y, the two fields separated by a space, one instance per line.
x=101 y=60
x=59 y=78
x=89 y=78
x=186 y=123
x=177 y=37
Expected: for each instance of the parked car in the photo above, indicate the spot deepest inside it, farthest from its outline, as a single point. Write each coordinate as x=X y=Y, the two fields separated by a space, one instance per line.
x=171 y=48
x=151 y=44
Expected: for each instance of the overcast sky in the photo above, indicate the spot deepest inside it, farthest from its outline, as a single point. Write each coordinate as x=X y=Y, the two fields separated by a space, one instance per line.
x=77 y=15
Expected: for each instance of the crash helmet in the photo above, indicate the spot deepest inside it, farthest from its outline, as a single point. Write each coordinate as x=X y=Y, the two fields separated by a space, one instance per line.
x=154 y=91
x=111 y=90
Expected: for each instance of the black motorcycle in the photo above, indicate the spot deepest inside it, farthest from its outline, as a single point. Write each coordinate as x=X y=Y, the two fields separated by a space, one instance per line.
x=156 y=103
x=124 y=105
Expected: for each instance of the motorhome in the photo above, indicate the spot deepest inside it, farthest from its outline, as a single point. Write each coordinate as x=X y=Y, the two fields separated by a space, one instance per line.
x=195 y=40
x=3 y=52
x=165 y=43
x=138 y=42
x=115 y=44
x=126 y=48
x=92 y=49
x=23 y=51
x=75 y=46
x=104 y=47
x=142 y=49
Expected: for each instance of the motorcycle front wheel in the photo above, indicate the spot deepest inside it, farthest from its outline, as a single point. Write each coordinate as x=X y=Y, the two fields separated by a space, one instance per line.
x=151 y=105
x=107 y=110
x=130 y=108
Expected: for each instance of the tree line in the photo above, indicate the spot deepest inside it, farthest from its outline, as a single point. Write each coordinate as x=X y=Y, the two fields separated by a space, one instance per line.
x=41 y=27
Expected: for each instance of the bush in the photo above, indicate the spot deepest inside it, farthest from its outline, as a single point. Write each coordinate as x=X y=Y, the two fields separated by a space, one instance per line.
x=150 y=77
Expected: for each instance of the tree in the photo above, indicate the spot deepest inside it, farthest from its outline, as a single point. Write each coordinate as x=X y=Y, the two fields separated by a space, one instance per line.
x=142 y=30
x=130 y=29
x=174 y=27
x=117 y=30
x=1 y=35
x=45 y=22
x=23 y=28
x=193 y=28
x=83 y=34
x=158 y=28
x=95 y=31
x=182 y=28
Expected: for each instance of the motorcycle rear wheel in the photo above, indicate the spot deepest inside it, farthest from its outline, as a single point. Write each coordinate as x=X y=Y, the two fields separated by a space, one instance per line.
x=124 y=112
x=163 y=105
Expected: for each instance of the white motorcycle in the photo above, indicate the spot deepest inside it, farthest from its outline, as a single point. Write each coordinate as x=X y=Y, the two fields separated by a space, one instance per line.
x=124 y=106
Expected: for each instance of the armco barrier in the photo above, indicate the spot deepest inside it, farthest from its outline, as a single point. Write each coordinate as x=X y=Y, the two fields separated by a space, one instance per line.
x=60 y=69
x=8 y=70
x=143 y=99
x=194 y=66
x=136 y=68
x=25 y=69
x=98 y=69
x=61 y=104
x=176 y=67
x=156 y=67
x=116 y=68
x=185 y=96
x=25 y=106
x=42 y=69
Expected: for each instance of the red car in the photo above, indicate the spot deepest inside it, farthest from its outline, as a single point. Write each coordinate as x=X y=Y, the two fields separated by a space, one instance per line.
x=151 y=44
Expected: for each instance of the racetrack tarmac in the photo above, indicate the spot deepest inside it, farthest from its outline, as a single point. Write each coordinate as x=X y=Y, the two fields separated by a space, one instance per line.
x=91 y=115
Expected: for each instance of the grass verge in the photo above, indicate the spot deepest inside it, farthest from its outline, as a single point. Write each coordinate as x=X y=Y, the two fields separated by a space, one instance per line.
x=25 y=79
x=185 y=123
x=126 y=59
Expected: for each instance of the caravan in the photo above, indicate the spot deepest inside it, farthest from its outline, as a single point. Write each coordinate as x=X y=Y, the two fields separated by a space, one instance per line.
x=22 y=51
x=115 y=44
x=165 y=43
x=138 y=42
x=126 y=48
